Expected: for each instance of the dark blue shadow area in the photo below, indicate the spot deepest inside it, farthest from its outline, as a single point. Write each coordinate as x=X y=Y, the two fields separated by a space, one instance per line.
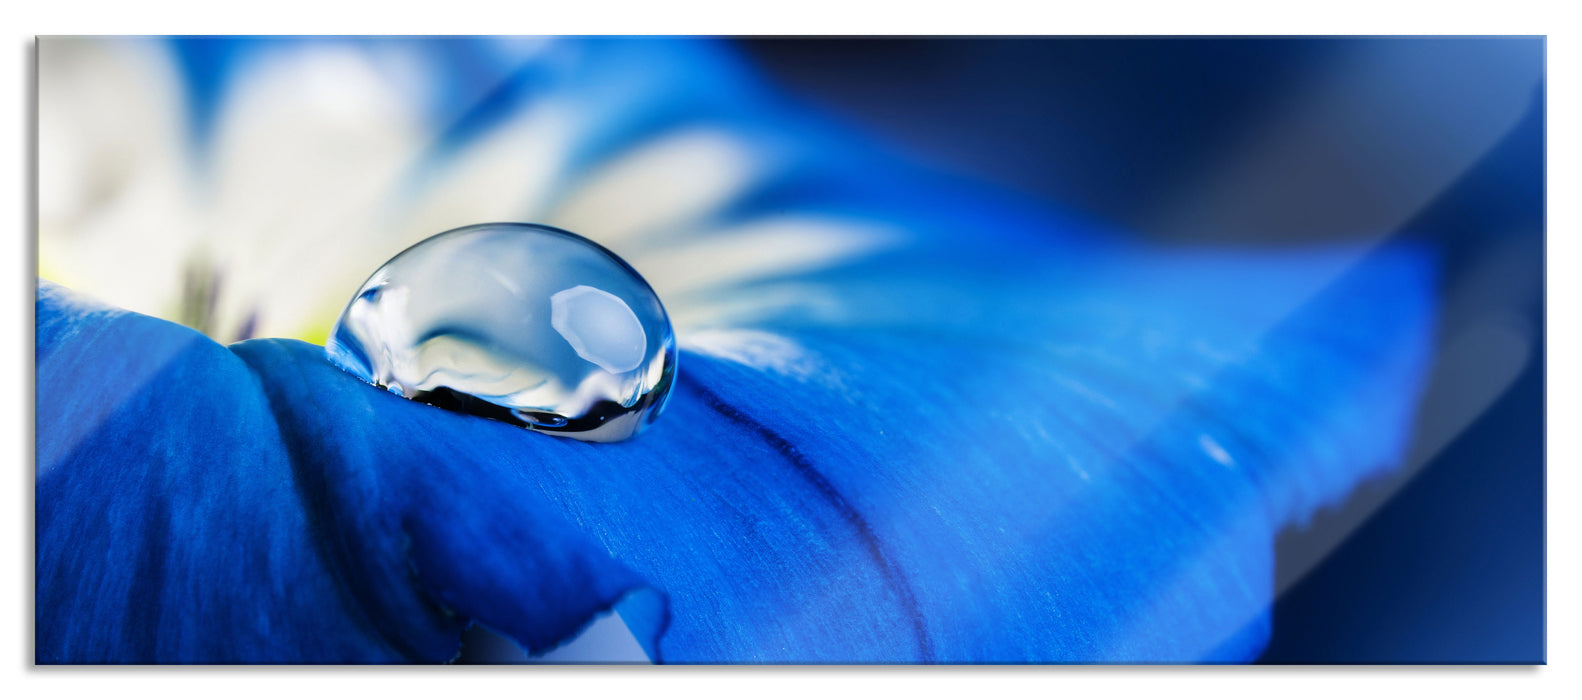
x=1103 y=126
x=1451 y=568
x=1442 y=562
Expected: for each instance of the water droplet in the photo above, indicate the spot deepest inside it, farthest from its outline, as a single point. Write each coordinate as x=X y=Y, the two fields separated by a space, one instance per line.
x=522 y=323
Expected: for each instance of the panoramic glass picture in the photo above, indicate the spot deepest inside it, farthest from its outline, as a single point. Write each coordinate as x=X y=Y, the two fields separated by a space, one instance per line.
x=663 y=350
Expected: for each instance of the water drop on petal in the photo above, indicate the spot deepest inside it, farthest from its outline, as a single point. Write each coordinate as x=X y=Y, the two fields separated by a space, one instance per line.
x=518 y=322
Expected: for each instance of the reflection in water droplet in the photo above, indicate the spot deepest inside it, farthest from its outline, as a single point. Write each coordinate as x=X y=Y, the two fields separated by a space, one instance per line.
x=517 y=322
x=600 y=327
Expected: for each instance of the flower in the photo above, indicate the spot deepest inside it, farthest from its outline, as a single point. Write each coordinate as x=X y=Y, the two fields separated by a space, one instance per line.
x=915 y=421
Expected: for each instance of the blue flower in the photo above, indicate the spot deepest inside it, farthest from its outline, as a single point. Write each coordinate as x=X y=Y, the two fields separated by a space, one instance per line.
x=915 y=421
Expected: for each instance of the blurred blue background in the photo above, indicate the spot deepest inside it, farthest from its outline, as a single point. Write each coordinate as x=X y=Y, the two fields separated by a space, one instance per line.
x=1275 y=142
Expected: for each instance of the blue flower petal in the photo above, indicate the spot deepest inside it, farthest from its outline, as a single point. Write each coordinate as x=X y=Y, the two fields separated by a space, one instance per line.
x=184 y=516
x=1093 y=467
x=1093 y=471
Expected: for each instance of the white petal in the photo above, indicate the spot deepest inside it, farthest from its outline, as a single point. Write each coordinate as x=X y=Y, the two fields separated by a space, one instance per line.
x=503 y=176
x=665 y=182
x=745 y=307
x=115 y=220
x=307 y=148
x=759 y=250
